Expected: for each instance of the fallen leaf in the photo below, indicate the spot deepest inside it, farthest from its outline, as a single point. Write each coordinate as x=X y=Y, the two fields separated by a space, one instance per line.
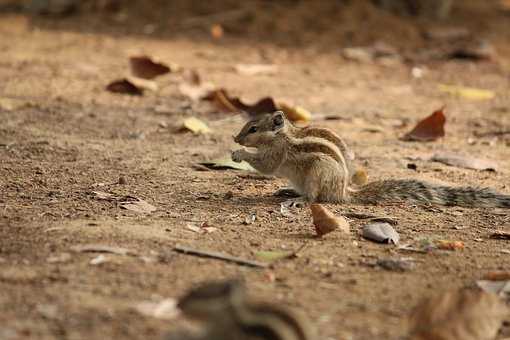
x=500 y=288
x=195 y=125
x=100 y=259
x=165 y=309
x=226 y=103
x=146 y=68
x=500 y=235
x=474 y=50
x=226 y=163
x=217 y=31
x=466 y=162
x=132 y=86
x=497 y=276
x=428 y=129
x=61 y=258
x=360 y=177
x=202 y=229
x=467 y=92
x=99 y=248
x=137 y=205
x=396 y=265
x=256 y=69
x=295 y=113
x=380 y=232
x=325 y=221
x=449 y=245
x=458 y=315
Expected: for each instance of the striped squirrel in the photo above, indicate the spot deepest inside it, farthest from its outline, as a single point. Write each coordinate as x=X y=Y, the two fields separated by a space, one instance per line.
x=228 y=315
x=313 y=166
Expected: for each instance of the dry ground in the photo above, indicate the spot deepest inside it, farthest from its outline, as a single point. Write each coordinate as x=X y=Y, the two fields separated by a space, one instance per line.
x=70 y=136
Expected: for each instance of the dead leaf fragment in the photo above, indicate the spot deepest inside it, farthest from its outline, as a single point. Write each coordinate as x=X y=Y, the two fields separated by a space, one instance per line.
x=195 y=125
x=466 y=162
x=146 y=68
x=227 y=103
x=99 y=248
x=226 y=163
x=467 y=92
x=497 y=276
x=458 y=315
x=124 y=86
x=165 y=309
x=380 y=232
x=137 y=205
x=325 y=221
x=449 y=245
x=295 y=113
x=256 y=69
x=429 y=129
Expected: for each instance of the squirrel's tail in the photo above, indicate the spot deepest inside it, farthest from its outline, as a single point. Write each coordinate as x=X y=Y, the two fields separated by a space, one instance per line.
x=413 y=191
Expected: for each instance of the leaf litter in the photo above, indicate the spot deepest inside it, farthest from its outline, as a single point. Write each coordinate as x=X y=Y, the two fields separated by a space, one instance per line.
x=429 y=129
x=325 y=221
x=132 y=86
x=126 y=202
x=226 y=163
x=381 y=232
x=195 y=125
x=147 y=68
x=467 y=92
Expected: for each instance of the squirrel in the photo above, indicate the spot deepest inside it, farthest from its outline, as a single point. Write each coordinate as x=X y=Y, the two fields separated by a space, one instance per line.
x=228 y=315
x=307 y=131
x=313 y=167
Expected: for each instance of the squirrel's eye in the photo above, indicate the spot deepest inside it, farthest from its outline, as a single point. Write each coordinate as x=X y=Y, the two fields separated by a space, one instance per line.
x=253 y=129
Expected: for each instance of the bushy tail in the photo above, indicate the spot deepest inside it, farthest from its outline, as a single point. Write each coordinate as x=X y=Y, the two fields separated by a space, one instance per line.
x=413 y=191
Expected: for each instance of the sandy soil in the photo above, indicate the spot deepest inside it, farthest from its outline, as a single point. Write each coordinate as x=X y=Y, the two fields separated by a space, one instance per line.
x=66 y=136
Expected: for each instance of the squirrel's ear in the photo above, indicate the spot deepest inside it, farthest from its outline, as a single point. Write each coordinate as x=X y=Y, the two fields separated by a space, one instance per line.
x=278 y=120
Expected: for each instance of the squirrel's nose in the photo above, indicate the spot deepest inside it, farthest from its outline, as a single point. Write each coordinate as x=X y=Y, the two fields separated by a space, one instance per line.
x=236 y=138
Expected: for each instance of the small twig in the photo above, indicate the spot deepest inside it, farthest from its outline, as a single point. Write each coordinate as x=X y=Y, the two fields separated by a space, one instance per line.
x=220 y=256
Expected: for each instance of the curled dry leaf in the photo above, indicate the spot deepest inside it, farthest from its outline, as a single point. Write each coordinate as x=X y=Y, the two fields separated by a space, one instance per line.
x=429 y=129
x=380 y=232
x=325 y=221
x=146 y=68
x=226 y=163
x=165 y=309
x=458 y=315
x=449 y=245
x=466 y=162
x=195 y=125
x=132 y=86
x=467 y=92
x=137 y=205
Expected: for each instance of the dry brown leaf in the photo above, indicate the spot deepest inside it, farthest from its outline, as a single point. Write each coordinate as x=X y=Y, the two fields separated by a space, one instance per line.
x=500 y=235
x=325 y=221
x=429 y=129
x=226 y=103
x=497 y=276
x=458 y=315
x=146 y=68
x=466 y=162
x=124 y=86
x=217 y=31
x=449 y=245
x=137 y=205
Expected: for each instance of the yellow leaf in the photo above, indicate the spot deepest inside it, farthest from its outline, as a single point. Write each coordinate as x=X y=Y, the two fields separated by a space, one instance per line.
x=295 y=113
x=195 y=125
x=467 y=92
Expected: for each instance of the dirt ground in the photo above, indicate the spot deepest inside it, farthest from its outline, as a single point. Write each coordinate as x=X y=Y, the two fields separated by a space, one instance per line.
x=66 y=136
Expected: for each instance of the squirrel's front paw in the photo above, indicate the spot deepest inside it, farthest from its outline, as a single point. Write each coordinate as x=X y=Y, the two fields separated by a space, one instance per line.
x=237 y=156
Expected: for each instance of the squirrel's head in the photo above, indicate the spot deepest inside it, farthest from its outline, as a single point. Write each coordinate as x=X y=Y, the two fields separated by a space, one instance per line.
x=212 y=299
x=262 y=129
